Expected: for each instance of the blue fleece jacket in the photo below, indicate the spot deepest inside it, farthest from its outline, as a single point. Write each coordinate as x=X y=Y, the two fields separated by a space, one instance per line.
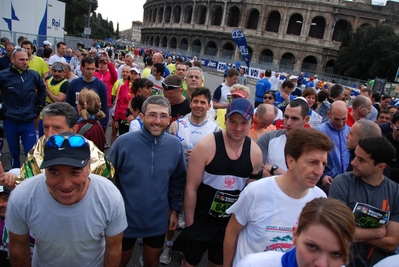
x=338 y=157
x=150 y=172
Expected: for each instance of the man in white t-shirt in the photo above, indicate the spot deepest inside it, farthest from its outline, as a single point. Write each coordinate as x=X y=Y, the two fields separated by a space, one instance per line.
x=220 y=96
x=156 y=78
x=264 y=214
x=272 y=143
x=59 y=55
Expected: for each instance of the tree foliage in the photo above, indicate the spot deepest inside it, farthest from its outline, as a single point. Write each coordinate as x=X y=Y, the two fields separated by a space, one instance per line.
x=75 y=13
x=371 y=51
x=76 y=20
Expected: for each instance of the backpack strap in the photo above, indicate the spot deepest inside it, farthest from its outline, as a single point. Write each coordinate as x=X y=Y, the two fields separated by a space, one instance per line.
x=85 y=128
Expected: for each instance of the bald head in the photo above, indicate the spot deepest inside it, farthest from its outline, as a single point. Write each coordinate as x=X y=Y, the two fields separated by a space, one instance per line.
x=265 y=115
x=361 y=107
x=338 y=114
x=157 y=58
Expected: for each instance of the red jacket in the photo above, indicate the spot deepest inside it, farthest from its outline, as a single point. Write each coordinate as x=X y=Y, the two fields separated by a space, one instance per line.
x=109 y=78
x=122 y=101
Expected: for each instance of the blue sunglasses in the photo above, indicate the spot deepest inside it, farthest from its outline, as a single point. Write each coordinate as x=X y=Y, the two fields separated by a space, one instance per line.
x=74 y=141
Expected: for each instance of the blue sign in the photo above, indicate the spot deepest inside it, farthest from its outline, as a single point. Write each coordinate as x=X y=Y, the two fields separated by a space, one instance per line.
x=241 y=42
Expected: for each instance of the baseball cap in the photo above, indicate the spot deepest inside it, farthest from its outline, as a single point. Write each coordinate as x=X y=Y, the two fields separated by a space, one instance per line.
x=292 y=77
x=137 y=70
x=46 y=43
x=4 y=190
x=68 y=148
x=58 y=66
x=242 y=106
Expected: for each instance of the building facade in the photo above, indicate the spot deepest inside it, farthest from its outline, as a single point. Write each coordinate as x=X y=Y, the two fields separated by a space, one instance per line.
x=291 y=34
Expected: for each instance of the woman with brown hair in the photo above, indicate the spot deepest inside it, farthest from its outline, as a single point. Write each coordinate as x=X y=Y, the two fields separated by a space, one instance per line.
x=89 y=111
x=311 y=96
x=322 y=238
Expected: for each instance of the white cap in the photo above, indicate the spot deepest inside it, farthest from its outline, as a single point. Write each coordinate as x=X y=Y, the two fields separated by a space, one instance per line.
x=47 y=43
x=136 y=70
x=293 y=77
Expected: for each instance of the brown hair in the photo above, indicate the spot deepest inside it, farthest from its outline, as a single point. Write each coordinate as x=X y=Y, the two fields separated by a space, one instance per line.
x=334 y=215
x=310 y=91
x=302 y=140
x=90 y=104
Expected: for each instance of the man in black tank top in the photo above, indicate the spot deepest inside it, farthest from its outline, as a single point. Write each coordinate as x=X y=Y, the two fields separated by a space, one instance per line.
x=220 y=165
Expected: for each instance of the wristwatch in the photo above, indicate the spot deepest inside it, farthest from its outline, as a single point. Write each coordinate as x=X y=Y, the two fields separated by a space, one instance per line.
x=273 y=169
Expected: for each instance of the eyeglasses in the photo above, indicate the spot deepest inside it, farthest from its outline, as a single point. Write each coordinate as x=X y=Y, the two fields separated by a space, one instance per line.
x=268 y=97
x=167 y=87
x=396 y=127
x=193 y=77
x=19 y=49
x=154 y=116
x=74 y=141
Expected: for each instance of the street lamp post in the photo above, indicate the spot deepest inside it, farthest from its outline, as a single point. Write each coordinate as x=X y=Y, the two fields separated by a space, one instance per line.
x=88 y=19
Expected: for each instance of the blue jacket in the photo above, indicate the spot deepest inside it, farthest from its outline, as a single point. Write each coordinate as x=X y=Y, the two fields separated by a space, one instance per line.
x=21 y=94
x=150 y=172
x=262 y=86
x=338 y=157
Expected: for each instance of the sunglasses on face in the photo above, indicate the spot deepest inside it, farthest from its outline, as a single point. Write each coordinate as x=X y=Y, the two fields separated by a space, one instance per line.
x=268 y=97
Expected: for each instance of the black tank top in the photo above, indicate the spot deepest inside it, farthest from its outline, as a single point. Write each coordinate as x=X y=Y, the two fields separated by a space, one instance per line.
x=222 y=182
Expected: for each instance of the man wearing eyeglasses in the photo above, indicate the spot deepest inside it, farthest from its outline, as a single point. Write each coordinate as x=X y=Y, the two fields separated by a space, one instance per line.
x=77 y=218
x=23 y=93
x=150 y=169
x=173 y=91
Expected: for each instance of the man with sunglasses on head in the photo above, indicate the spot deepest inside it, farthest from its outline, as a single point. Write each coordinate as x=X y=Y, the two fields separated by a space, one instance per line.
x=76 y=217
x=173 y=91
x=23 y=93
x=150 y=169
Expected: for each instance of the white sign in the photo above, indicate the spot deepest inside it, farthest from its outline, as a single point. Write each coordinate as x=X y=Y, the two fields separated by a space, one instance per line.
x=87 y=31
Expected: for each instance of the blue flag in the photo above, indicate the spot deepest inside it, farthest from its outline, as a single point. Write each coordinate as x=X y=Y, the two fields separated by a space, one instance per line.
x=241 y=42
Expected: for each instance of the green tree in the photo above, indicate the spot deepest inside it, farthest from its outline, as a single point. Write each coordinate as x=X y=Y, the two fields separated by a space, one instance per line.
x=75 y=12
x=372 y=51
x=117 y=31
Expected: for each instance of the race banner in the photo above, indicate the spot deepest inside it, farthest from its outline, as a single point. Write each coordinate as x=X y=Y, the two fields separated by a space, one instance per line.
x=241 y=42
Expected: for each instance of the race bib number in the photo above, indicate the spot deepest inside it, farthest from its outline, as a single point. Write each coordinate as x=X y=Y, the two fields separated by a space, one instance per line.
x=221 y=202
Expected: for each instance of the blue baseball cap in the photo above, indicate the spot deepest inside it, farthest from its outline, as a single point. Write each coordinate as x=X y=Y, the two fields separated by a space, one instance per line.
x=242 y=106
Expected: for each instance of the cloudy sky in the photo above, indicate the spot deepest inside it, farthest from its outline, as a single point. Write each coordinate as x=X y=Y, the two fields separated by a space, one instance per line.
x=125 y=12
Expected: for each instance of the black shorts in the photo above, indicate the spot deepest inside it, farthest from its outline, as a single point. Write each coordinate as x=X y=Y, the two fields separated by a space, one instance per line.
x=198 y=238
x=152 y=241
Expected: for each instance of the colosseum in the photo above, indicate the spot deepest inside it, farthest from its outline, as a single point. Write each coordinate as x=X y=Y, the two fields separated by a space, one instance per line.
x=294 y=35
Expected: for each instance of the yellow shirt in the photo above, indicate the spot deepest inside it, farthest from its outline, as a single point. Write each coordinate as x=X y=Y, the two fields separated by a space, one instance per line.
x=38 y=64
x=145 y=72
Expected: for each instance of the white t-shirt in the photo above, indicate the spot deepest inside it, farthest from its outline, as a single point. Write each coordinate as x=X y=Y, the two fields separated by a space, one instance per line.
x=314 y=119
x=67 y=235
x=276 y=152
x=265 y=259
x=157 y=83
x=268 y=215
x=54 y=58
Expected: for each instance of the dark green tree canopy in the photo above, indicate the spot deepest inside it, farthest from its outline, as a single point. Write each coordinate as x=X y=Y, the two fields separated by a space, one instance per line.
x=76 y=20
x=371 y=51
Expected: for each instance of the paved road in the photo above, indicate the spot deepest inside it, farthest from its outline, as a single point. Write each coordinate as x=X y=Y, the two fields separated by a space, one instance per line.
x=212 y=80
